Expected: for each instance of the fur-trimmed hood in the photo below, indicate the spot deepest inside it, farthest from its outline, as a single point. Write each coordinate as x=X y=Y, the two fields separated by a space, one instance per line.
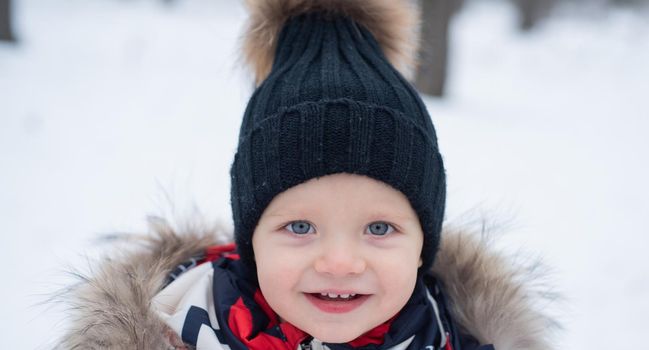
x=491 y=298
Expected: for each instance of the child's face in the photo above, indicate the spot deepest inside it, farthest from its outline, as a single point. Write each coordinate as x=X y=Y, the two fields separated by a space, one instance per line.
x=340 y=234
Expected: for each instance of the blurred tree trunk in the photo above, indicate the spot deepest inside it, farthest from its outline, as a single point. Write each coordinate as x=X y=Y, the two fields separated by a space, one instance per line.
x=6 y=34
x=532 y=11
x=433 y=53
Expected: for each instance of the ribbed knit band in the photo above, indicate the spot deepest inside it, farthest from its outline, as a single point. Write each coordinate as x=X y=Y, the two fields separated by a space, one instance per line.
x=334 y=104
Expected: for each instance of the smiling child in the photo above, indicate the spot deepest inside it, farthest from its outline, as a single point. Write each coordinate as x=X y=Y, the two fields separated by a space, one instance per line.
x=338 y=255
x=338 y=197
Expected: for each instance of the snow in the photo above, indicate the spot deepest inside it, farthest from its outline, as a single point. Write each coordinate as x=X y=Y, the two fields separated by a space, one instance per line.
x=113 y=110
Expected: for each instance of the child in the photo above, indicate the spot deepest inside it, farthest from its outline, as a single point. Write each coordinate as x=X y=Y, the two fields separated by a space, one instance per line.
x=338 y=194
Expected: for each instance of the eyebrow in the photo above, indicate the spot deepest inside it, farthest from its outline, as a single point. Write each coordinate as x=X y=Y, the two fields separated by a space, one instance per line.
x=298 y=213
x=374 y=214
x=277 y=214
x=396 y=215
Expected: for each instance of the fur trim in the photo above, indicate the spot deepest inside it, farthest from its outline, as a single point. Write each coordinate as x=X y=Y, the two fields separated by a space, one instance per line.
x=110 y=310
x=392 y=22
x=491 y=299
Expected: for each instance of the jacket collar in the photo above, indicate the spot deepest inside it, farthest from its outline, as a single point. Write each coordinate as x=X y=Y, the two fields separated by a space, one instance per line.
x=490 y=297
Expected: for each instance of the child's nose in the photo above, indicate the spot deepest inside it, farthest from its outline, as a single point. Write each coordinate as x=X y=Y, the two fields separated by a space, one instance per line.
x=340 y=262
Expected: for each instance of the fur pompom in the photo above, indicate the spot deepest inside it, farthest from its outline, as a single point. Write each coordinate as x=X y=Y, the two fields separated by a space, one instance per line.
x=393 y=23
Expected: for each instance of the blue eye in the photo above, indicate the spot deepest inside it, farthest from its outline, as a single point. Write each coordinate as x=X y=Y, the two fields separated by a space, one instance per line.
x=379 y=228
x=300 y=227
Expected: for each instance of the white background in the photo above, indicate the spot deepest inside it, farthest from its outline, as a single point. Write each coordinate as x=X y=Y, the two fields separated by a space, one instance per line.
x=114 y=110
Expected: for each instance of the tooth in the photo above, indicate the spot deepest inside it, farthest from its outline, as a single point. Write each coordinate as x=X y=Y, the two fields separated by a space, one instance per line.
x=323 y=294
x=352 y=295
x=331 y=295
x=344 y=296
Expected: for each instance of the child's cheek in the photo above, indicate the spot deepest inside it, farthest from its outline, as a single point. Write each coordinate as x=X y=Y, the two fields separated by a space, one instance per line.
x=279 y=259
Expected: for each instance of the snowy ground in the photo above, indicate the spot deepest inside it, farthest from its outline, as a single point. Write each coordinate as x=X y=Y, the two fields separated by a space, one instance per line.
x=110 y=110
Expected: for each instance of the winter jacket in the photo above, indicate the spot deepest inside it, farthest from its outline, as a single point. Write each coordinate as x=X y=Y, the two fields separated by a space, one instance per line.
x=488 y=299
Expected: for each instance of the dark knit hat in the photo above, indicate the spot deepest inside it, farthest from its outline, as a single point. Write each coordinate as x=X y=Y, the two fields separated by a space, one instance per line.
x=333 y=103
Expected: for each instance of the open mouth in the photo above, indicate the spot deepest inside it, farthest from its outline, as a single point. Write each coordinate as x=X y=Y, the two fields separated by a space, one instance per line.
x=335 y=297
x=336 y=303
